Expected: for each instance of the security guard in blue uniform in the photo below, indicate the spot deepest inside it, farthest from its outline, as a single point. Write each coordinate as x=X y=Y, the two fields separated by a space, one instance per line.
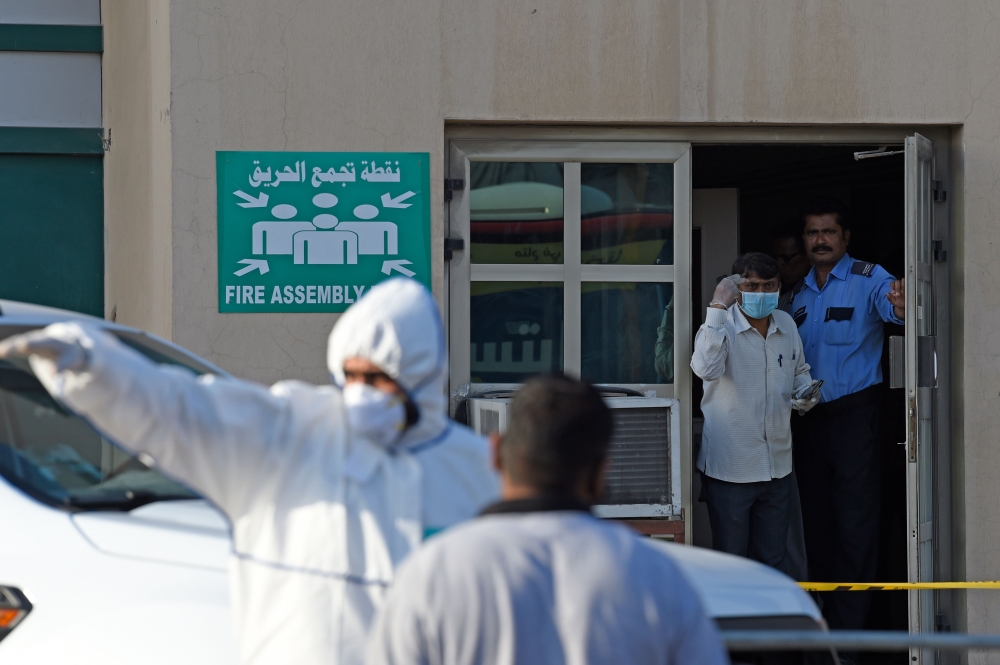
x=840 y=308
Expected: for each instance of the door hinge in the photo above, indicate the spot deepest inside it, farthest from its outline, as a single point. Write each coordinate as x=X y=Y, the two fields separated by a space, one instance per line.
x=940 y=253
x=450 y=185
x=940 y=193
x=451 y=245
x=925 y=532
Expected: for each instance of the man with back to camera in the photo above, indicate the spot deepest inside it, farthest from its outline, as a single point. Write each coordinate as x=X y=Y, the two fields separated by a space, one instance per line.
x=537 y=578
x=840 y=308
x=750 y=357
x=326 y=488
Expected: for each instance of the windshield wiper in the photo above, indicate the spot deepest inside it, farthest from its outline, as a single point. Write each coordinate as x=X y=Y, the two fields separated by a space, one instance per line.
x=122 y=500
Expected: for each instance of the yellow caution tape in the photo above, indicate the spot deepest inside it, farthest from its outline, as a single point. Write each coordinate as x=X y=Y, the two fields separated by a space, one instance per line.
x=895 y=586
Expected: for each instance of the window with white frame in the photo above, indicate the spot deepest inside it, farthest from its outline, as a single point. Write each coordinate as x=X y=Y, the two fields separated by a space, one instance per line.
x=574 y=254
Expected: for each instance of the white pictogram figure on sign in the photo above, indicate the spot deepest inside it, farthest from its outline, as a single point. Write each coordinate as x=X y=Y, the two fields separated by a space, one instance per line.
x=284 y=211
x=276 y=237
x=326 y=247
x=376 y=238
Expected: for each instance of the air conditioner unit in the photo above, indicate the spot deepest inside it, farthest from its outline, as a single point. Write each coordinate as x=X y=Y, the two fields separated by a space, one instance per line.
x=644 y=474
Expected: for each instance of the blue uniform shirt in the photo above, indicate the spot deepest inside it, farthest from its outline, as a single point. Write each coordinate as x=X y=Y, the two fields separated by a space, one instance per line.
x=841 y=325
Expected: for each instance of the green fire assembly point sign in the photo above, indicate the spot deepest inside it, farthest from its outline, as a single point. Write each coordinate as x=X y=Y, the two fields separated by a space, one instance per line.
x=313 y=231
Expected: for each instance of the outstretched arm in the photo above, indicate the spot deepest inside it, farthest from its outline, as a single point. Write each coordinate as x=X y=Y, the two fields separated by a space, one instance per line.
x=216 y=435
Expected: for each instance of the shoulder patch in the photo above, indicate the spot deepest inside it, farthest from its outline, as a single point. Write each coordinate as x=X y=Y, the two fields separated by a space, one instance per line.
x=862 y=268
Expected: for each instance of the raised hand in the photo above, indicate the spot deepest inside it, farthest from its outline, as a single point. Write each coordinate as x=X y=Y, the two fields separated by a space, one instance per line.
x=726 y=292
x=897 y=296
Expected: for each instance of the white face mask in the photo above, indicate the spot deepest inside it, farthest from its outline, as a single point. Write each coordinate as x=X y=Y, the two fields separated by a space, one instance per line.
x=378 y=416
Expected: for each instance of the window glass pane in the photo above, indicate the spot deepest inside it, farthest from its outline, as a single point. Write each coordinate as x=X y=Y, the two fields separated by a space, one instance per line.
x=516 y=212
x=57 y=458
x=627 y=214
x=627 y=333
x=517 y=330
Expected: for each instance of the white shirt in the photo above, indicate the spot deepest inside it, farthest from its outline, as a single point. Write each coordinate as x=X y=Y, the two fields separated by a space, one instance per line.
x=557 y=587
x=749 y=384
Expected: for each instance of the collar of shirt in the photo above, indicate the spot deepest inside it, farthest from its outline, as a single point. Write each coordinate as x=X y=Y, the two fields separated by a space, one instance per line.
x=742 y=325
x=537 y=504
x=840 y=271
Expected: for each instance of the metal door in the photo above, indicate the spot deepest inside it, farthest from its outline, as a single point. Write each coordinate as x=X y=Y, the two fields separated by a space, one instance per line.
x=920 y=382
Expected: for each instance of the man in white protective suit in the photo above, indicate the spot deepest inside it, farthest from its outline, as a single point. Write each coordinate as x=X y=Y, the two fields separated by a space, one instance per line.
x=327 y=488
x=537 y=578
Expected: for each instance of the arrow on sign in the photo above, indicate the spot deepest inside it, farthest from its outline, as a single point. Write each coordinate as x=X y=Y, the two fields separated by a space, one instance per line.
x=251 y=202
x=389 y=202
x=257 y=264
x=389 y=266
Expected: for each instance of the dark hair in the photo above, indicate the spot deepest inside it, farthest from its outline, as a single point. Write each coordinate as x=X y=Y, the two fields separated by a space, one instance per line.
x=826 y=205
x=759 y=264
x=791 y=228
x=559 y=433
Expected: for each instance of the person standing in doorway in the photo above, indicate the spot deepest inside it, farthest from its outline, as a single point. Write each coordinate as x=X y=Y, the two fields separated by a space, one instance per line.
x=840 y=309
x=793 y=264
x=750 y=357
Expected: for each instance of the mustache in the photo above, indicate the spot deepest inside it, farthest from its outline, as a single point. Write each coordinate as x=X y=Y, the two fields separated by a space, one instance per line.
x=820 y=248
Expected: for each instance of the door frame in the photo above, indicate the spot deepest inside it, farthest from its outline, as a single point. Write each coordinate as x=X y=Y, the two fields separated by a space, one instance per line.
x=949 y=554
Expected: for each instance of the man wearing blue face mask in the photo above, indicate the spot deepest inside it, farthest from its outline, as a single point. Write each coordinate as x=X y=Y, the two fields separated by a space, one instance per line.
x=750 y=357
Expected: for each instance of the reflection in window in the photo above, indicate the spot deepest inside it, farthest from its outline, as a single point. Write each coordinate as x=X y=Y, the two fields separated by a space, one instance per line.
x=517 y=330
x=627 y=332
x=54 y=455
x=627 y=214
x=516 y=212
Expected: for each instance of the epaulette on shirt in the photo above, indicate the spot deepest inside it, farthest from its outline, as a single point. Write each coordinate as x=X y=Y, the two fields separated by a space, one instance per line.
x=799 y=285
x=862 y=268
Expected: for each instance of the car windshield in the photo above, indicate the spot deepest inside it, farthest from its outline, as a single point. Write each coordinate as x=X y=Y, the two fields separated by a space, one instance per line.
x=59 y=459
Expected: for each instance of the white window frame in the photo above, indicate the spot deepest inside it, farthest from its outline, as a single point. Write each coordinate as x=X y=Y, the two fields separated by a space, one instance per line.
x=571 y=273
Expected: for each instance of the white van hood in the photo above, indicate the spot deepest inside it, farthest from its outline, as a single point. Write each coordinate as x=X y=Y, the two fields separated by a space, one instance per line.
x=188 y=532
x=731 y=586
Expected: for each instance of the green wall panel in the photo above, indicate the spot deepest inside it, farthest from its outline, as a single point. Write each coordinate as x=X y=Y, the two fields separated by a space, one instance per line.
x=52 y=140
x=52 y=231
x=64 y=38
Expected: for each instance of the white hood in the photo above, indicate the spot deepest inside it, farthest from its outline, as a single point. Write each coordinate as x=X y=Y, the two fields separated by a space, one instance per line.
x=397 y=327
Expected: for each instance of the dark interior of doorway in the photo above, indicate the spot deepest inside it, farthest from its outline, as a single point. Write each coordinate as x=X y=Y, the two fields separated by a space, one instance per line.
x=773 y=181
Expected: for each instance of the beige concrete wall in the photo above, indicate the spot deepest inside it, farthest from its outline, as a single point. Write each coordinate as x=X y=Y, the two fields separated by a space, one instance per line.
x=315 y=75
x=268 y=75
x=352 y=75
x=137 y=169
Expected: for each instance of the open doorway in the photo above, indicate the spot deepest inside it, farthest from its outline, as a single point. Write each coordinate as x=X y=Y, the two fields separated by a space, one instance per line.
x=742 y=195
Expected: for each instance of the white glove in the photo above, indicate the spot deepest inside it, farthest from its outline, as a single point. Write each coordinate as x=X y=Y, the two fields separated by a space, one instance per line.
x=726 y=292
x=64 y=355
x=804 y=404
x=807 y=398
